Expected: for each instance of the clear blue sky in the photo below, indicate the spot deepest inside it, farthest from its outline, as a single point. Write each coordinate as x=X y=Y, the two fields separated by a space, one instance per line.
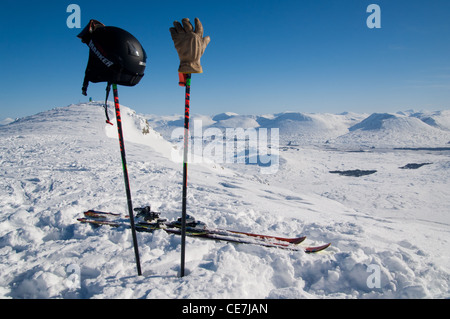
x=264 y=56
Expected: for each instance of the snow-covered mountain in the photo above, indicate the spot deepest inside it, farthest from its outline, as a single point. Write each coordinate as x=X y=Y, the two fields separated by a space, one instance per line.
x=389 y=230
x=301 y=127
x=438 y=119
x=402 y=129
x=396 y=130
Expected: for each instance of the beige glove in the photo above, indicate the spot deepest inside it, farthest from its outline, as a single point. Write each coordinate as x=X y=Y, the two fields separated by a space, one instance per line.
x=190 y=45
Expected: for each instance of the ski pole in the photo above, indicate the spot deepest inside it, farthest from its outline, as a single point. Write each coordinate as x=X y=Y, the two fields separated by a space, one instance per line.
x=125 y=175
x=187 y=83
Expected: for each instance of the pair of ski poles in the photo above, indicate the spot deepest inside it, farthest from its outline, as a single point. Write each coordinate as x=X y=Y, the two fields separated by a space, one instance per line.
x=185 y=80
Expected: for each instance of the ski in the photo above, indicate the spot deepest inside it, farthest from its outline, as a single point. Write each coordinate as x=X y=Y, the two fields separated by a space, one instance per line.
x=294 y=241
x=310 y=250
x=242 y=240
x=99 y=214
x=143 y=227
x=267 y=238
x=98 y=222
x=199 y=225
x=232 y=237
x=205 y=233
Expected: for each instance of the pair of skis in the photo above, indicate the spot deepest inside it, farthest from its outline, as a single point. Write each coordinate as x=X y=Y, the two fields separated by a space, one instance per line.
x=199 y=230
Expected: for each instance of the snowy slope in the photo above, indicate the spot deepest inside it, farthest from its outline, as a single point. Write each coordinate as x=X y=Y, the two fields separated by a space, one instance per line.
x=395 y=130
x=6 y=121
x=439 y=119
x=58 y=163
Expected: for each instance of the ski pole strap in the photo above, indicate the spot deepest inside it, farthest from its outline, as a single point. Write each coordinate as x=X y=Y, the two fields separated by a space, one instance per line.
x=108 y=89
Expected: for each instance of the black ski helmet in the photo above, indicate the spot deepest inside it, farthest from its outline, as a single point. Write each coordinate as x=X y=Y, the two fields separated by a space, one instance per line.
x=115 y=56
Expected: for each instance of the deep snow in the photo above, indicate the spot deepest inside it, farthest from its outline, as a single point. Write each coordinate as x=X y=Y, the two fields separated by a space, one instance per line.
x=56 y=164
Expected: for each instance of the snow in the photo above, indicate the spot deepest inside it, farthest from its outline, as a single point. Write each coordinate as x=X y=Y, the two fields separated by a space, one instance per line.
x=395 y=130
x=300 y=128
x=389 y=230
x=6 y=121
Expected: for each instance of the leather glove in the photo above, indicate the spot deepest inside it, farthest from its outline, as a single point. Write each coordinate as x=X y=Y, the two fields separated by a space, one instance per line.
x=190 y=45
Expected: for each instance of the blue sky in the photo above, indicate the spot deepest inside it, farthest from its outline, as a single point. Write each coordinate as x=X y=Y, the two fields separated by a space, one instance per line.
x=264 y=56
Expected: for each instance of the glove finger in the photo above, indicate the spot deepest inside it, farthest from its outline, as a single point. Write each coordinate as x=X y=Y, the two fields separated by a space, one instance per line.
x=198 y=27
x=187 y=25
x=206 y=40
x=173 y=32
x=178 y=27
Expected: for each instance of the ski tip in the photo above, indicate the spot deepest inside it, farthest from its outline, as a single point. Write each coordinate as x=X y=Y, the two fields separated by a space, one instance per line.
x=310 y=250
x=298 y=240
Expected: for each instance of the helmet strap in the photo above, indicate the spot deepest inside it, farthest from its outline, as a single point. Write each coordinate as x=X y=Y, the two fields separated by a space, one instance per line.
x=108 y=89
x=85 y=86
